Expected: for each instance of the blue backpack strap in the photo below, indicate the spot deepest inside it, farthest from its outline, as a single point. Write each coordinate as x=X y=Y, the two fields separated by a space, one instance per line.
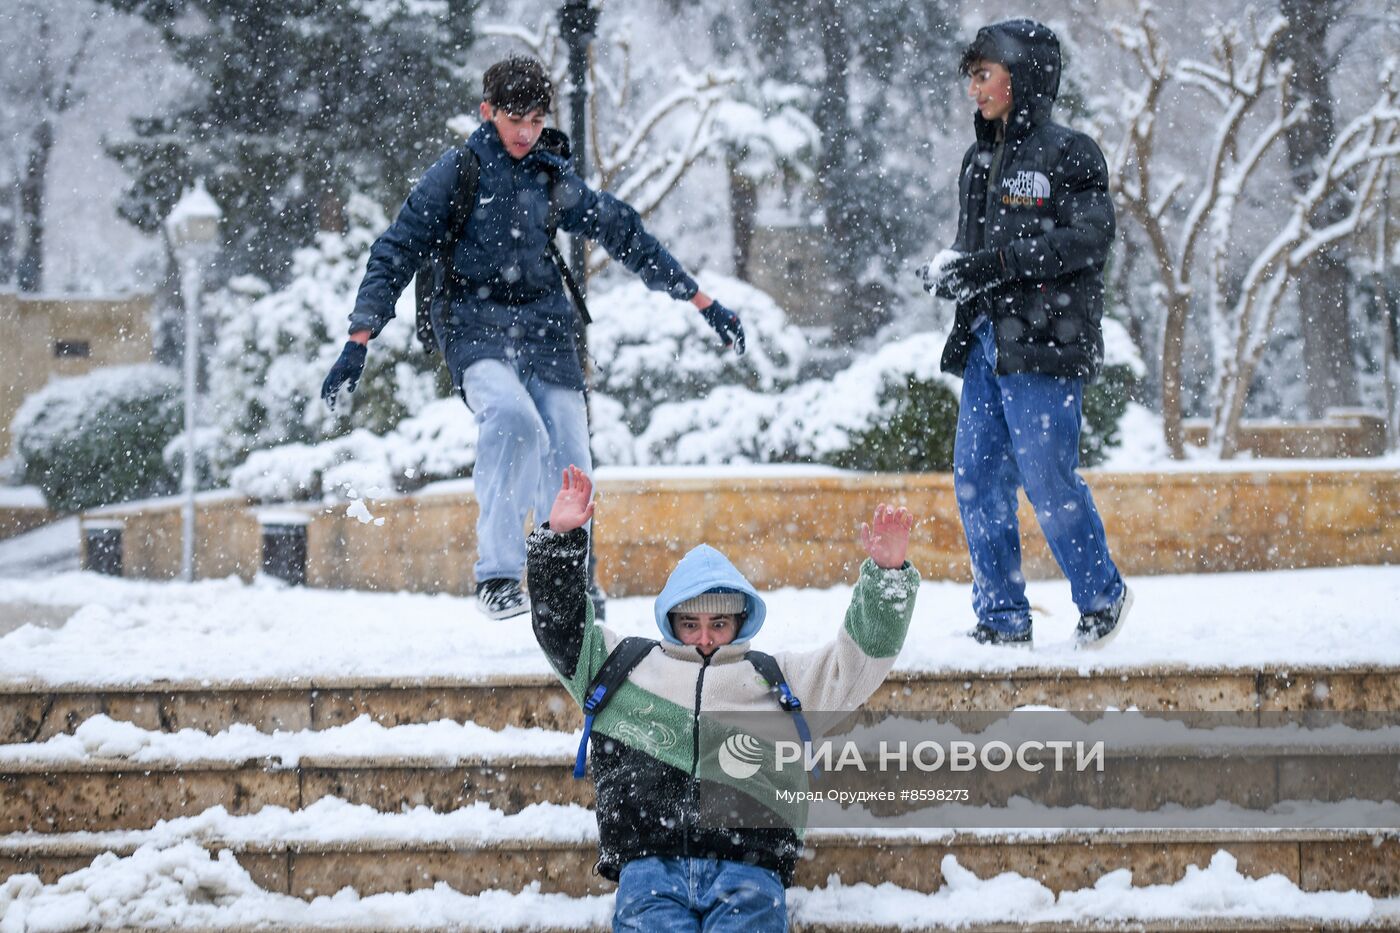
x=768 y=669
x=624 y=657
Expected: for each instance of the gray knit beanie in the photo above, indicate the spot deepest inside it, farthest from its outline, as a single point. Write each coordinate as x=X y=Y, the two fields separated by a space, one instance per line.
x=715 y=602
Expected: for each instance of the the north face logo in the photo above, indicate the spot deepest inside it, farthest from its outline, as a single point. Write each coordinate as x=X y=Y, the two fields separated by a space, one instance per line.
x=1025 y=189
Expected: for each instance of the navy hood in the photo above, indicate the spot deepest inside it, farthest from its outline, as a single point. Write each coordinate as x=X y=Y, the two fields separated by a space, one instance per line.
x=700 y=571
x=1031 y=52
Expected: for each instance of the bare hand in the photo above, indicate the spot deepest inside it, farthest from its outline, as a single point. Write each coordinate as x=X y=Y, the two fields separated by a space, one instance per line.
x=886 y=536
x=572 y=508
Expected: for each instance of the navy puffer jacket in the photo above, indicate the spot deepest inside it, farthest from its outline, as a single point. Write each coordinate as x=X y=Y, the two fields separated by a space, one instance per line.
x=509 y=301
x=1048 y=211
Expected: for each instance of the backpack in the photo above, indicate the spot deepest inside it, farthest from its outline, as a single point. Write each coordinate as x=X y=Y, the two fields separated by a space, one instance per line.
x=629 y=653
x=433 y=277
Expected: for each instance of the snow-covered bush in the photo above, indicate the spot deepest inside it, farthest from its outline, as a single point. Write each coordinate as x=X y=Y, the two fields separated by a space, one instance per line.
x=439 y=442
x=648 y=349
x=273 y=349
x=892 y=410
x=97 y=439
x=1107 y=398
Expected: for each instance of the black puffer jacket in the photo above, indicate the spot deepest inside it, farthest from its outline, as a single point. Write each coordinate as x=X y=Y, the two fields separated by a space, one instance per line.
x=1049 y=213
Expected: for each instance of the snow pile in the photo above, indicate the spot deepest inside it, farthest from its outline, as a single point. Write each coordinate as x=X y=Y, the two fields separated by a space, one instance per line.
x=180 y=885
x=22 y=497
x=1219 y=891
x=333 y=822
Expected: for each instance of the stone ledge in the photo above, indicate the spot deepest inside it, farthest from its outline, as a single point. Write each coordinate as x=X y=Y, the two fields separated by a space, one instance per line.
x=106 y=795
x=1165 y=522
x=31 y=712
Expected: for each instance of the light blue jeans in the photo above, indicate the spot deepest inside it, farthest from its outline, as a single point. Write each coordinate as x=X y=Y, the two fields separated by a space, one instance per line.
x=529 y=431
x=698 y=895
x=1023 y=430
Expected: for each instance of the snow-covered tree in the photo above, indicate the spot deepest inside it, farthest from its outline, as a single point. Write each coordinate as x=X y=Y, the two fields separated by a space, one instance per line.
x=637 y=149
x=295 y=105
x=273 y=347
x=1198 y=258
x=768 y=140
x=649 y=351
x=871 y=67
x=45 y=46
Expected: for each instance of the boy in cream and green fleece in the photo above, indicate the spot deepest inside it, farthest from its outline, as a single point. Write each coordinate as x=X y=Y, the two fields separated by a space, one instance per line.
x=674 y=871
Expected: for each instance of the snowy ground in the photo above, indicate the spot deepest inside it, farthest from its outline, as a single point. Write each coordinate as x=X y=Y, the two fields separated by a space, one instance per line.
x=131 y=631
x=62 y=626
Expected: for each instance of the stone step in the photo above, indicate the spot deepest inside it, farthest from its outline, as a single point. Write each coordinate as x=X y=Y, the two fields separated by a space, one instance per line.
x=1314 y=860
x=34 y=712
x=102 y=794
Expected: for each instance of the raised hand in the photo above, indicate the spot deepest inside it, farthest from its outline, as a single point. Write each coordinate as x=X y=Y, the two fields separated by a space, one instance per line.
x=572 y=506
x=886 y=536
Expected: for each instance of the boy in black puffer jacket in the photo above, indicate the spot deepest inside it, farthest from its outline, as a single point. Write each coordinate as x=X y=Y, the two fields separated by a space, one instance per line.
x=1026 y=271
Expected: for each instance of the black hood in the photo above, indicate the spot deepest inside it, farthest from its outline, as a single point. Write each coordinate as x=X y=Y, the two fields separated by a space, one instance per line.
x=1031 y=52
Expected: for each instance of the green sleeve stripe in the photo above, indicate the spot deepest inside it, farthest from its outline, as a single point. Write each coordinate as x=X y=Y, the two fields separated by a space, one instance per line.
x=590 y=660
x=881 y=608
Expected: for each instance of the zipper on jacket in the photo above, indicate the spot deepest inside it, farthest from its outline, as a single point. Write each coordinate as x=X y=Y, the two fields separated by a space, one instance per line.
x=694 y=756
x=992 y=198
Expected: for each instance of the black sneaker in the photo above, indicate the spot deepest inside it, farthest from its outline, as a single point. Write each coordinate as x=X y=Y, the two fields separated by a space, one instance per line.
x=986 y=635
x=1097 y=629
x=501 y=598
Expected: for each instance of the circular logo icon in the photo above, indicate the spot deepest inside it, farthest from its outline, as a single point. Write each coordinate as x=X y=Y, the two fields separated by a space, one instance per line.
x=740 y=756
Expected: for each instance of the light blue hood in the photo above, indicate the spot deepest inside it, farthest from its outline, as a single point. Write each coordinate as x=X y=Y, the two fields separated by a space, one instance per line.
x=700 y=571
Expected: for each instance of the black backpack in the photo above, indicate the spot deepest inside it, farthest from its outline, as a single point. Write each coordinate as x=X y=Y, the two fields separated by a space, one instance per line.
x=629 y=653
x=433 y=278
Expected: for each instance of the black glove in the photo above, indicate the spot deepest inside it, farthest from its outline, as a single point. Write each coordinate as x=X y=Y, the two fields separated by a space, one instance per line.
x=967 y=276
x=726 y=324
x=347 y=369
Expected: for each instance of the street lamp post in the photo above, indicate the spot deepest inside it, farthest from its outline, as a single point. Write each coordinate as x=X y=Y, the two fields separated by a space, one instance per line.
x=578 y=22
x=192 y=229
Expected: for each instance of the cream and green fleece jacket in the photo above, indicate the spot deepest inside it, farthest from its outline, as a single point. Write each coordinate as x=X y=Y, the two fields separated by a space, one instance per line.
x=646 y=745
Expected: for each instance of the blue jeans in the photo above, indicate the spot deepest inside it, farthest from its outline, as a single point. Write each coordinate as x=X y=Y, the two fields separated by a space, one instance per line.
x=665 y=895
x=529 y=430
x=1023 y=430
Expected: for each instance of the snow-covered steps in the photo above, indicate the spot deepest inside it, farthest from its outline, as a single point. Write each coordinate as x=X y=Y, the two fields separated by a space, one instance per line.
x=35 y=711
x=116 y=775
x=113 y=775
x=332 y=845
x=174 y=883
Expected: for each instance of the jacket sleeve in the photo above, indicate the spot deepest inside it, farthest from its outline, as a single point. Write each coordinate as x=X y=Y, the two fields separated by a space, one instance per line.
x=618 y=227
x=422 y=221
x=842 y=674
x=1084 y=225
x=561 y=612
